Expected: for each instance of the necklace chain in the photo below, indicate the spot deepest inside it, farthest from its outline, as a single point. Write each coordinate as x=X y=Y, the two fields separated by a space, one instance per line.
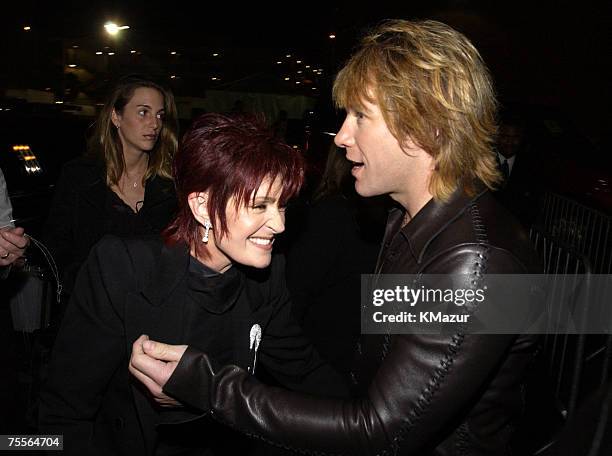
x=125 y=177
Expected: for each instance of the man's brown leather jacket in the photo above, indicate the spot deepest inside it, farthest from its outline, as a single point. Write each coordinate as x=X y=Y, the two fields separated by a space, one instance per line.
x=419 y=394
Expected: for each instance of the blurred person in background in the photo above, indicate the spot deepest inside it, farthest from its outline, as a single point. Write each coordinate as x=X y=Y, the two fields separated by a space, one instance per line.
x=123 y=185
x=521 y=170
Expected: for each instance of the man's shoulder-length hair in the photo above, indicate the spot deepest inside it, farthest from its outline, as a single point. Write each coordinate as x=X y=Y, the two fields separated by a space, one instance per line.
x=431 y=85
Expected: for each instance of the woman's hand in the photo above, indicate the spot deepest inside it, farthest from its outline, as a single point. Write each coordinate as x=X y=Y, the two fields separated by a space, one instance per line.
x=153 y=363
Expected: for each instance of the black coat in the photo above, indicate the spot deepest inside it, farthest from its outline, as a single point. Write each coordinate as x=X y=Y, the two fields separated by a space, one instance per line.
x=521 y=192
x=79 y=215
x=324 y=267
x=131 y=287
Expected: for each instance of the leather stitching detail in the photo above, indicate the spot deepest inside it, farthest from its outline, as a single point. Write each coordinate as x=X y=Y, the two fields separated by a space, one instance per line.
x=457 y=340
x=429 y=392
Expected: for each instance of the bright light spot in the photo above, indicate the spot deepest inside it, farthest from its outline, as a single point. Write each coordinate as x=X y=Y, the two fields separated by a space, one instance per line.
x=279 y=62
x=27 y=28
x=297 y=82
x=298 y=61
x=213 y=78
x=288 y=56
x=332 y=36
x=215 y=55
x=173 y=52
x=59 y=102
x=72 y=65
x=299 y=72
x=287 y=79
x=111 y=53
x=99 y=53
x=112 y=28
x=307 y=66
x=173 y=76
x=131 y=52
x=314 y=88
x=75 y=47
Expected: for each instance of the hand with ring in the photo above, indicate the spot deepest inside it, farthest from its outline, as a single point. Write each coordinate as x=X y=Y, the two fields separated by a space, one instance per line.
x=13 y=243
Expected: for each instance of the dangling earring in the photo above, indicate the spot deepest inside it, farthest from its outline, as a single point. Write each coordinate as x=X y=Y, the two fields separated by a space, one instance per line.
x=207 y=227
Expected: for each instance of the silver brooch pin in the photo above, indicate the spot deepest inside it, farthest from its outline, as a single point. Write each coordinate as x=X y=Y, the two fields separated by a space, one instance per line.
x=254 y=340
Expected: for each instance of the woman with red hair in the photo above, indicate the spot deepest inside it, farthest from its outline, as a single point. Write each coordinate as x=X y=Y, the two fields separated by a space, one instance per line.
x=213 y=283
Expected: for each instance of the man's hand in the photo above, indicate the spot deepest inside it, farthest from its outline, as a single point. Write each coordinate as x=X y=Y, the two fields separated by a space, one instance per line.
x=13 y=243
x=153 y=363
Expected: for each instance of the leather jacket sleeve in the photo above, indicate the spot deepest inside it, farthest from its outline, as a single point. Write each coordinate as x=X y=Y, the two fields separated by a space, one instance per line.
x=423 y=388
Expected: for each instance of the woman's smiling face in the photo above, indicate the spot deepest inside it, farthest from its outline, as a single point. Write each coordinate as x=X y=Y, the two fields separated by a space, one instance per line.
x=251 y=230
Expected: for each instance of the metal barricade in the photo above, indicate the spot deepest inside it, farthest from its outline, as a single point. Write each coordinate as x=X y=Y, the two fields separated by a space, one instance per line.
x=586 y=230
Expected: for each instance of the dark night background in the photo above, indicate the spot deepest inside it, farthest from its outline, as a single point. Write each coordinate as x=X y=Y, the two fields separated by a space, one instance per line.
x=549 y=60
x=541 y=53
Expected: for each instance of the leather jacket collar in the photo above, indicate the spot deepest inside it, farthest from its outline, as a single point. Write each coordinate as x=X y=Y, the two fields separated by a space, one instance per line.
x=428 y=223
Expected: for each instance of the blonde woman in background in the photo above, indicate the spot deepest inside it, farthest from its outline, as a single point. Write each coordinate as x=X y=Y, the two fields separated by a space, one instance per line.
x=123 y=185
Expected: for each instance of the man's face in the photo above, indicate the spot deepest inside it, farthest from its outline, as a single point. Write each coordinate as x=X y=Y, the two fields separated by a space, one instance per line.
x=380 y=166
x=509 y=140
